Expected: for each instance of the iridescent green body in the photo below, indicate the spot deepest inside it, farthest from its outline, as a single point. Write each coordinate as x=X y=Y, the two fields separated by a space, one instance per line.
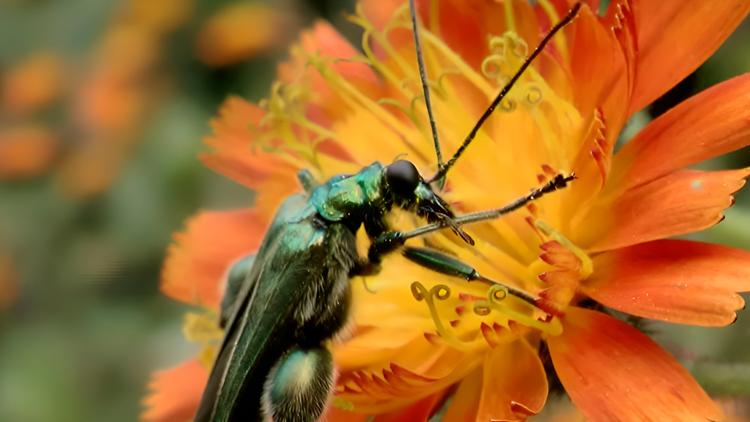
x=283 y=304
x=295 y=295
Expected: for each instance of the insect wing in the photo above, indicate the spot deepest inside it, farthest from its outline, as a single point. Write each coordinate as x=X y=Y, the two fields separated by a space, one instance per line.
x=261 y=325
x=260 y=332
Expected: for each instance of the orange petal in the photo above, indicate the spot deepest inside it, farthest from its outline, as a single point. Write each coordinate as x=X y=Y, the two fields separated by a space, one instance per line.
x=378 y=12
x=325 y=42
x=597 y=71
x=514 y=384
x=613 y=372
x=465 y=401
x=463 y=25
x=26 y=151
x=174 y=393
x=673 y=280
x=674 y=38
x=234 y=154
x=33 y=83
x=417 y=371
x=239 y=31
x=682 y=202
x=336 y=414
x=9 y=285
x=416 y=412
x=712 y=123
x=200 y=255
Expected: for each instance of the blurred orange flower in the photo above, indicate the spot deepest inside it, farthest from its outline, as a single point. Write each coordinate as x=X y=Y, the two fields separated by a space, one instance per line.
x=105 y=108
x=9 y=287
x=26 y=151
x=32 y=83
x=602 y=243
x=239 y=31
x=120 y=85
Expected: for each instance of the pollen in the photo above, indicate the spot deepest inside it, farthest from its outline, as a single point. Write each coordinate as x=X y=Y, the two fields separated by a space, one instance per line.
x=203 y=329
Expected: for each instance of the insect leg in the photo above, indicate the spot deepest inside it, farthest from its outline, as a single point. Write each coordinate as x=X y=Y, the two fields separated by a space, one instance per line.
x=391 y=240
x=299 y=385
x=235 y=278
x=307 y=180
x=448 y=265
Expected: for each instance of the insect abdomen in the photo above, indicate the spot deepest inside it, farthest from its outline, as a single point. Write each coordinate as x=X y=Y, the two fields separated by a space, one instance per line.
x=298 y=387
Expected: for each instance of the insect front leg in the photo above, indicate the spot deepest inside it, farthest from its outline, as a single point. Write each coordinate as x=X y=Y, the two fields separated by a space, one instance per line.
x=299 y=385
x=384 y=244
x=451 y=266
x=391 y=240
x=375 y=225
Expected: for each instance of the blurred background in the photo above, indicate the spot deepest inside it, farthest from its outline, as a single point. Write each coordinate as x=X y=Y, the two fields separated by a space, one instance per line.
x=103 y=105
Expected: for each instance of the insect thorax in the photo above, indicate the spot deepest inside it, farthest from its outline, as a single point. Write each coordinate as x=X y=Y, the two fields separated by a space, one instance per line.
x=351 y=197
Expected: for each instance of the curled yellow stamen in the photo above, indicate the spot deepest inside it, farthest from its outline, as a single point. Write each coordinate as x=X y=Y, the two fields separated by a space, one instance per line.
x=508 y=105
x=491 y=65
x=509 y=17
x=497 y=294
x=440 y=292
x=519 y=48
x=534 y=95
x=409 y=112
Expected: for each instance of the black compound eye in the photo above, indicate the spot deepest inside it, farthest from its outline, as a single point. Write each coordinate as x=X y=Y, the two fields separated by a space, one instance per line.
x=402 y=178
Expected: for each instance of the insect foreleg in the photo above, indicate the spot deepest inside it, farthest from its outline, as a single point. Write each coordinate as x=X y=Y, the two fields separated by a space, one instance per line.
x=391 y=240
x=299 y=385
x=448 y=265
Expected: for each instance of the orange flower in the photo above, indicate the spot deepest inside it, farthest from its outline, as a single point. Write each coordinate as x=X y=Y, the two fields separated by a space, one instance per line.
x=26 y=151
x=9 y=286
x=121 y=84
x=238 y=32
x=33 y=83
x=603 y=240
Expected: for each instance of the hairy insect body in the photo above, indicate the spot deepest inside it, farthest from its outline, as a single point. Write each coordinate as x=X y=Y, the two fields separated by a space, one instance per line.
x=295 y=296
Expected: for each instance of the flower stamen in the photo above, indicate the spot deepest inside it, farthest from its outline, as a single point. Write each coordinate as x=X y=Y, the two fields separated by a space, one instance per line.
x=202 y=328
x=586 y=264
x=439 y=292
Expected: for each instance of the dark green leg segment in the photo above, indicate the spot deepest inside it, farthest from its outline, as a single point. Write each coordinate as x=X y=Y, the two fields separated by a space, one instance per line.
x=440 y=262
x=383 y=244
x=448 y=265
x=391 y=240
x=299 y=385
x=235 y=279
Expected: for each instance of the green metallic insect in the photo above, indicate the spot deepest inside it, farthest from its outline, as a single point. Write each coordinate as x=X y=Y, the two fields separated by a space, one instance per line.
x=285 y=303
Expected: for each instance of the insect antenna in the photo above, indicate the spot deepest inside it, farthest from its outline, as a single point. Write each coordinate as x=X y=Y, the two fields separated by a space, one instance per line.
x=425 y=87
x=443 y=170
x=558 y=182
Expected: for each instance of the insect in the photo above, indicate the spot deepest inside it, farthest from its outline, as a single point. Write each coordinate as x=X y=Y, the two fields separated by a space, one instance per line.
x=285 y=303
